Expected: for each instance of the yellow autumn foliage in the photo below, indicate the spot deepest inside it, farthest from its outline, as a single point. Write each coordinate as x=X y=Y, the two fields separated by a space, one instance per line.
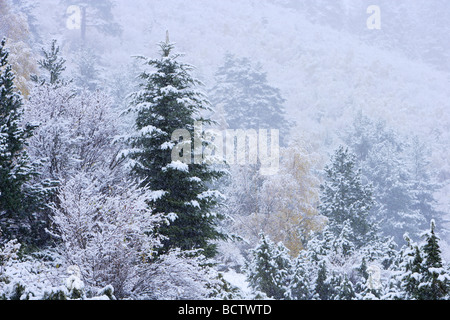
x=14 y=27
x=287 y=202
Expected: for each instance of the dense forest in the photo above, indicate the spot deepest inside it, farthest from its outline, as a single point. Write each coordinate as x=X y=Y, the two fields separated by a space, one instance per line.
x=303 y=157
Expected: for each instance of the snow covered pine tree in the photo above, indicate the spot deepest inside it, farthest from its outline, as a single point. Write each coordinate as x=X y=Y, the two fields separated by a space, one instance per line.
x=436 y=280
x=423 y=272
x=243 y=93
x=344 y=197
x=269 y=268
x=16 y=197
x=169 y=101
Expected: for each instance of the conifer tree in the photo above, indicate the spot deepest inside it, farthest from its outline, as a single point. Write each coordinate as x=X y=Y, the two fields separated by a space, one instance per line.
x=16 y=197
x=52 y=63
x=341 y=287
x=269 y=269
x=299 y=284
x=424 y=276
x=170 y=101
x=322 y=288
x=435 y=282
x=411 y=266
x=398 y=169
x=413 y=287
x=363 y=269
x=248 y=100
x=345 y=198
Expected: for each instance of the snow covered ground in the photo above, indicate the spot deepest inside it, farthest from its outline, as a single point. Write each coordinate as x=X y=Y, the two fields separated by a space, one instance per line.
x=238 y=280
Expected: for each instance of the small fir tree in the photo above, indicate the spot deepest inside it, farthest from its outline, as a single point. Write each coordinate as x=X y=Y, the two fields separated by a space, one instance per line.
x=299 y=284
x=435 y=282
x=323 y=287
x=345 y=198
x=269 y=268
x=53 y=64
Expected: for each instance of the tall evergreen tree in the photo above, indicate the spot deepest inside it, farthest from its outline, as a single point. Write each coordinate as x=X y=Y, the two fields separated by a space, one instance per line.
x=16 y=197
x=403 y=185
x=247 y=99
x=169 y=101
x=323 y=287
x=345 y=200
